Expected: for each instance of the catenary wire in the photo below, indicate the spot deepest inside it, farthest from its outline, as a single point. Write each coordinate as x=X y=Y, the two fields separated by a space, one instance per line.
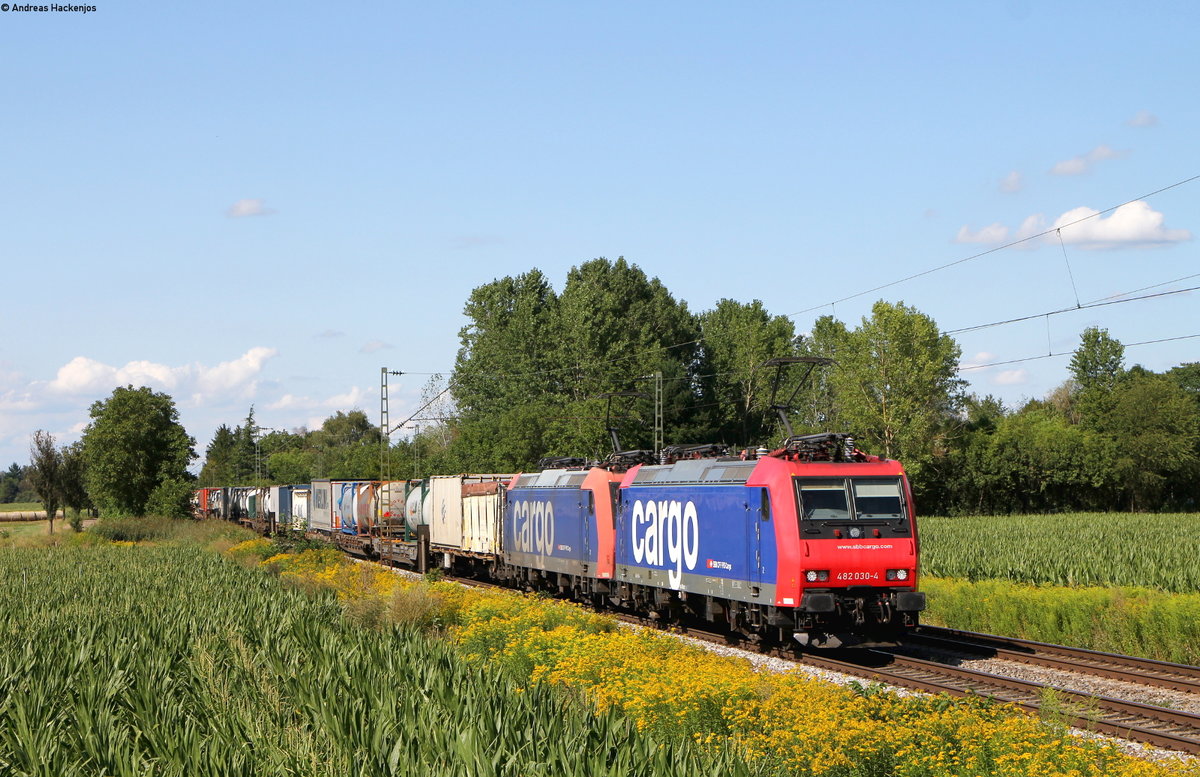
x=965 y=368
x=993 y=250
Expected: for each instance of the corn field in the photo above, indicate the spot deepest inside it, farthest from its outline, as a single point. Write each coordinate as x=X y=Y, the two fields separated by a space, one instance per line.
x=173 y=661
x=1074 y=549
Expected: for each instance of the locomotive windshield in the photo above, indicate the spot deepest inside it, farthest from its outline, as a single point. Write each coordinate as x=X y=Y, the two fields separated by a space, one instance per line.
x=824 y=500
x=877 y=498
x=850 y=499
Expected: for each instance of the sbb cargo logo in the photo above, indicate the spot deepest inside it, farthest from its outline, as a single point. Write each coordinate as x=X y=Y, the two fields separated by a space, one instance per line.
x=666 y=532
x=714 y=564
x=533 y=527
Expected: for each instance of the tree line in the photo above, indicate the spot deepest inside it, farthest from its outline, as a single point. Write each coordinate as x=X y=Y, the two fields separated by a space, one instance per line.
x=534 y=367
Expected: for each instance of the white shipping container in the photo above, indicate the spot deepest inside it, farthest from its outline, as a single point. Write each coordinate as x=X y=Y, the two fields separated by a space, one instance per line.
x=300 y=501
x=320 y=508
x=481 y=522
x=444 y=513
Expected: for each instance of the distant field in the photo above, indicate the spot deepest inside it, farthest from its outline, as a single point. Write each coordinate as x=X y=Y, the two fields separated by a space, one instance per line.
x=1072 y=549
x=20 y=507
x=14 y=530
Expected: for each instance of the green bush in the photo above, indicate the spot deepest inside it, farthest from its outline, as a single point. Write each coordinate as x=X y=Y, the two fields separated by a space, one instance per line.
x=127 y=529
x=172 y=498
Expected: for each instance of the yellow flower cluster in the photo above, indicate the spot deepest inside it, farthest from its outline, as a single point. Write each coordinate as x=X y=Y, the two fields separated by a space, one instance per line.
x=256 y=548
x=803 y=725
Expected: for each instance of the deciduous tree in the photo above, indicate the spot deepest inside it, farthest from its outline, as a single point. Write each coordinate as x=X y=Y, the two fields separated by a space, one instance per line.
x=133 y=443
x=738 y=338
x=47 y=464
x=896 y=384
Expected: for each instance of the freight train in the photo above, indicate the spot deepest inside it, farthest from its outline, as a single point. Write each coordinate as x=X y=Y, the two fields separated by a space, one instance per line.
x=814 y=542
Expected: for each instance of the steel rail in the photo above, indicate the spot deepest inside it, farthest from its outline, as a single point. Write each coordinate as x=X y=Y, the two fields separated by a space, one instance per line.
x=1143 y=671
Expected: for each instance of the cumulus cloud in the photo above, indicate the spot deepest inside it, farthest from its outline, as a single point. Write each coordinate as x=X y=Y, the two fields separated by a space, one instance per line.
x=248 y=207
x=1134 y=224
x=1143 y=119
x=355 y=397
x=1011 y=183
x=1083 y=164
x=1011 y=377
x=234 y=374
x=83 y=375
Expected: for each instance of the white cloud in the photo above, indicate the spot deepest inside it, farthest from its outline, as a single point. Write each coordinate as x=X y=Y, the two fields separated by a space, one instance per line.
x=1083 y=164
x=1011 y=183
x=348 y=400
x=234 y=374
x=995 y=233
x=1011 y=377
x=248 y=207
x=1143 y=119
x=17 y=401
x=1132 y=224
x=330 y=333
x=375 y=345
x=288 y=402
x=82 y=376
x=978 y=360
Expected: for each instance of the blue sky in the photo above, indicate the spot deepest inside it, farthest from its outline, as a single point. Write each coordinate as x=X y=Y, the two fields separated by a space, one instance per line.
x=264 y=203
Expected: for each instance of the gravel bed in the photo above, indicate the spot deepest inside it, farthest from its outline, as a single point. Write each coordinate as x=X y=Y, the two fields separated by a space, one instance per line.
x=1081 y=682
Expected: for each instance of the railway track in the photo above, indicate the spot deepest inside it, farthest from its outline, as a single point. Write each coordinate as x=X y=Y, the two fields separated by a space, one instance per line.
x=1159 y=726
x=1143 y=671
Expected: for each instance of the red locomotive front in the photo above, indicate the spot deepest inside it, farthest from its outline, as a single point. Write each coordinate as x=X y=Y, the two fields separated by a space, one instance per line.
x=847 y=542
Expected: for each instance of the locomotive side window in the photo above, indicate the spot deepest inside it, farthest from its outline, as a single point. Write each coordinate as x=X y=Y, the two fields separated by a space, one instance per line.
x=877 y=498
x=824 y=500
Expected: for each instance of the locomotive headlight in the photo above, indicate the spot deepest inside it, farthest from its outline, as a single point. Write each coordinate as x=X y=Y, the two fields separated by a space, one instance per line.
x=901 y=574
x=855 y=532
x=816 y=575
x=811 y=575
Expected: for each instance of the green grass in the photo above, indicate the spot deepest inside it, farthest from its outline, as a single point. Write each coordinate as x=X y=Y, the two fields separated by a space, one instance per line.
x=170 y=660
x=21 y=507
x=1131 y=621
x=1159 y=551
x=28 y=530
